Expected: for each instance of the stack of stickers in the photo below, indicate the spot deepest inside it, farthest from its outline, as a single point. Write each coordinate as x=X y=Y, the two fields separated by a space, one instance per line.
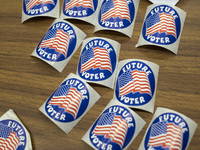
x=135 y=80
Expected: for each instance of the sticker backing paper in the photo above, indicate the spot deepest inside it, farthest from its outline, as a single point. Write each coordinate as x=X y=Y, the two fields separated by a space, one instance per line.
x=59 y=44
x=168 y=130
x=38 y=8
x=69 y=103
x=13 y=134
x=98 y=61
x=136 y=84
x=115 y=128
x=163 y=25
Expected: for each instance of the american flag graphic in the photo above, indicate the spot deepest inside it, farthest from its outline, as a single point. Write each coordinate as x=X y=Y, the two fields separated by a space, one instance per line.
x=95 y=58
x=115 y=8
x=77 y=3
x=166 y=135
x=133 y=81
x=161 y=23
x=67 y=97
x=32 y=3
x=112 y=126
x=56 y=39
x=8 y=138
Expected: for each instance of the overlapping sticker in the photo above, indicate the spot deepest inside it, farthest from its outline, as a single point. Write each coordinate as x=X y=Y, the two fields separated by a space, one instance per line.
x=36 y=8
x=162 y=27
x=13 y=134
x=59 y=44
x=98 y=61
x=69 y=103
x=115 y=128
x=170 y=2
x=117 y=15
x=136 y=84
x=85 y=10
x=168 y=130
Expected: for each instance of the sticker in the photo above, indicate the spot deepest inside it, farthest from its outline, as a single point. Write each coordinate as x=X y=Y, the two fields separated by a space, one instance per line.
x=59 y=44
x=162 y=27
x=117 y=15
x=98 y=61
x=168 y=130
x=13 y=135
x=169 y=2
x=80 y=9
x=136 y=84
x=115 y=128
x=70 y=101
x=33 y=8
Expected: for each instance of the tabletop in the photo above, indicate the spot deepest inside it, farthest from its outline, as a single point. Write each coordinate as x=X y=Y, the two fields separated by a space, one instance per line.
x=26 y=82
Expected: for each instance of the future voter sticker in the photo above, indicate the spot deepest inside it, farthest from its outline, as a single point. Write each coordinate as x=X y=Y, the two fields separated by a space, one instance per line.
x=168 y=131
x=135 y=85
x=69 y=101
x=38 y=7
x=162 y=25
x=79 y=8
x=58 y=43
x=116 y=14
x=12 y=135
x=97 y=61
x=114 y=128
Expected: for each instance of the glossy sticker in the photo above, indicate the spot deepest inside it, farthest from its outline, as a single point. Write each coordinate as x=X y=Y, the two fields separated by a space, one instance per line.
x=168 y=130
x=80 y=9
x=162 y=26
x=59 y=44
x=13 y=135
x=98 y=60
x=34 y=8
x=136 y=83
x=115 y=128
x=69 y=103
x=117 y=15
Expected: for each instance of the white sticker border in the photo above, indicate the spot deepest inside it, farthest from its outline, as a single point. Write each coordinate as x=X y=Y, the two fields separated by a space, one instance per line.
x=90 y=19
x=53 y=13
x=138 y=121
x=128 y=31
x=67 y=127
x=155 y=68
x=161 y=110
x=10 y=114
x=59 y=66
x=172 y=47
x=111 y=80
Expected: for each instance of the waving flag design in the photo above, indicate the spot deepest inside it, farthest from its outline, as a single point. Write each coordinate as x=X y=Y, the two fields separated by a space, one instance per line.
x=115 y=8
x=68 y=98
x=161 y=23
x=32 y=3
x=95 y=58
x=56 y=39
x=8 y=138
x=166 y=135
x=133 y=81
x=113 y=127
x=77 y=3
